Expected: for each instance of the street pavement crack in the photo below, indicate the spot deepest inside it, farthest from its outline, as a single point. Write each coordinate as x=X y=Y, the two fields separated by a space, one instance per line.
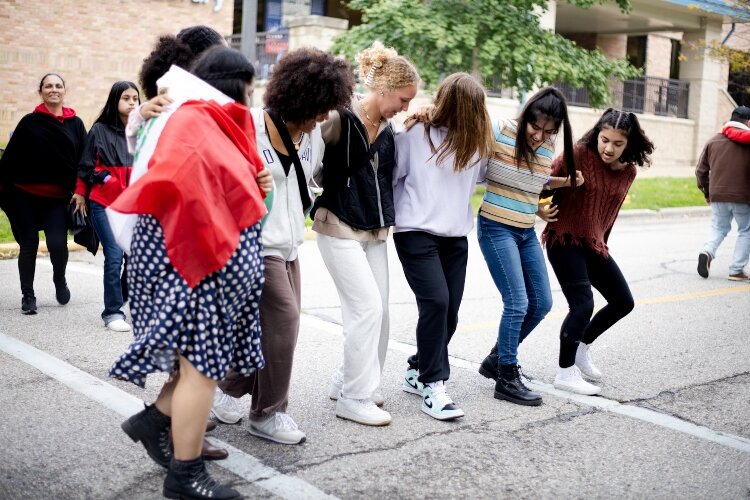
x=676 y=391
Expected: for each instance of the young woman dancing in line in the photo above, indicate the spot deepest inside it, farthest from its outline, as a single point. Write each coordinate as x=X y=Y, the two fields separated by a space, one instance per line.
x=439 y=158
x=577 y=241
x=305 y=85
x=352 y=218
x=519 y=170
x=103 y=173
x=196 y=271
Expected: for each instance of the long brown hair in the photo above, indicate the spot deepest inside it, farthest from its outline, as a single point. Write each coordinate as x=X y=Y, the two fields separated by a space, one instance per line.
x=460 y=107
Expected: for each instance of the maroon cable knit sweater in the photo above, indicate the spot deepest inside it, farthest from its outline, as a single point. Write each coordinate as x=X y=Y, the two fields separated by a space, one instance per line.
x=588 y=216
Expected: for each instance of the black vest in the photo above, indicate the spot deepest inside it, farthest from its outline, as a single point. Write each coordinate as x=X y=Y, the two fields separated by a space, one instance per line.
x=353 y=189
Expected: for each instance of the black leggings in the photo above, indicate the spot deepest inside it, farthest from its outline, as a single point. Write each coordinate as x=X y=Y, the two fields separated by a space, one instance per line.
x=28 y=214
x=578 y=268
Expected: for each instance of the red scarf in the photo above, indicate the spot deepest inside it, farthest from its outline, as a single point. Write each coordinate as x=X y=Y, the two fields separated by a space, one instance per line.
x=201 y=186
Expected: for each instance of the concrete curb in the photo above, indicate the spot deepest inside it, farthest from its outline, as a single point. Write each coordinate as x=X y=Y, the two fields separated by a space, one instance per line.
x=10 y=250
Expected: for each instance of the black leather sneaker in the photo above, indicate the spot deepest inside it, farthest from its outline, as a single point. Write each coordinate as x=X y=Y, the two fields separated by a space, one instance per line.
x=28 y=305
x=62 y=293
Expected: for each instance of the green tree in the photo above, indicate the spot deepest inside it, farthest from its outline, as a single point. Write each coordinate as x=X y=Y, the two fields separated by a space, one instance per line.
x=489 y=38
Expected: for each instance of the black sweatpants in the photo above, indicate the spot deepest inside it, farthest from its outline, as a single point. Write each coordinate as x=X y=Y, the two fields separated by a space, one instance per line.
x=435 y=267
x=578 y=269
x=28 y=214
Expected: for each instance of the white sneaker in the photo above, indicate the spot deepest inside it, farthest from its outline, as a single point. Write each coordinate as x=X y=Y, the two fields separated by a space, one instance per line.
x=437 y=404
x=225 y=408
x=279 y=428
x=337 y=383
x=569 y=379
x=362 y=411
x=118 y=325
x=411 y=384
x=585 y=363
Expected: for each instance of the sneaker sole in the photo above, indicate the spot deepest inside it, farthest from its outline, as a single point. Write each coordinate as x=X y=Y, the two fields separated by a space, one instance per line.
x=225 y=421
x=29 y=313
x=453 y=416
x=703 y=265
x=522 y=402
x=576 y=391
x=262 y=435
x=734 y=278
x=360 y=420
x=379 y=403
x=486 y=373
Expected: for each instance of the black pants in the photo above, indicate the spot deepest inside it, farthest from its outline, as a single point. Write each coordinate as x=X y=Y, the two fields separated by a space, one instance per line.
x=28 y=214
x=435 y=267
x=578 y=268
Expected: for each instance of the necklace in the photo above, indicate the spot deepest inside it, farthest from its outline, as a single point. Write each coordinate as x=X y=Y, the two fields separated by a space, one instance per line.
x=373 y=123
x=298 y=141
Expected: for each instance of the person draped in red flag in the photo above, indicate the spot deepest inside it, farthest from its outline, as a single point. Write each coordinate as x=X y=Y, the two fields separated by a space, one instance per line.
x=196 y=270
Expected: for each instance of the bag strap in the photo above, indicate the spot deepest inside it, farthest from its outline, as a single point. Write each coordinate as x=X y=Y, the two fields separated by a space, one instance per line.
x=304 y=194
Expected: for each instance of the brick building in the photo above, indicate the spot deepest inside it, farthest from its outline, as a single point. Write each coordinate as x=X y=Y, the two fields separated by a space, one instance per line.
x=91 y=44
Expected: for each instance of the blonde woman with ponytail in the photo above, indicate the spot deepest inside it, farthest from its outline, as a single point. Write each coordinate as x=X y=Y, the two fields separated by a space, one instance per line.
x=352 y=217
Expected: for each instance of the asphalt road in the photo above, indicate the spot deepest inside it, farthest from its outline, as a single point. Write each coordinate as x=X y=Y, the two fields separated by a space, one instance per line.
x=673 y=420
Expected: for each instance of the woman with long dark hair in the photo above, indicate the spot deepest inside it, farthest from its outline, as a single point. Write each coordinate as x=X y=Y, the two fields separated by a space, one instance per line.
x=37 y=177
x=103 y=173
x=518 y=172
x=577 y=241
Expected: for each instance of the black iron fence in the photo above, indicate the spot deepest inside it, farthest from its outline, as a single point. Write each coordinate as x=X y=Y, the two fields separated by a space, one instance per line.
x=648 y=94
x=270 y=46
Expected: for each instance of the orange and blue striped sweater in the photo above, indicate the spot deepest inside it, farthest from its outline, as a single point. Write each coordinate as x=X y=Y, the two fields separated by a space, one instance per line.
x=512 y=195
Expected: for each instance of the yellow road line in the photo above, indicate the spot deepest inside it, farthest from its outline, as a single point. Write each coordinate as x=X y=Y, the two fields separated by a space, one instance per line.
x=476 y=327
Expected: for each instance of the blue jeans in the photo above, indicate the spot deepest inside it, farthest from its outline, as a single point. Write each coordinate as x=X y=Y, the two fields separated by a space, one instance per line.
x=113 y=257
x=516 y=263
x=722 y=214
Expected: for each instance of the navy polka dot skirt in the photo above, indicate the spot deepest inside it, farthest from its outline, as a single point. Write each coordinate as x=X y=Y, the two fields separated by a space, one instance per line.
x=214 y=325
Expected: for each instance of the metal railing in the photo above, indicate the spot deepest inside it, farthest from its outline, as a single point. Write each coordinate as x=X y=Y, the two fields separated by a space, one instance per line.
x=270 y=46
x=648 y=94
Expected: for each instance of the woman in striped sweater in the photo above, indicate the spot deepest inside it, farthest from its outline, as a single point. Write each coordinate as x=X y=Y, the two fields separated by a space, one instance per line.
x=518 y=171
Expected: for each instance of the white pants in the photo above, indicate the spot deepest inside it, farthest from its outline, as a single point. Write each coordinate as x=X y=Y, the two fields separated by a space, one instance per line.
x=360 y=273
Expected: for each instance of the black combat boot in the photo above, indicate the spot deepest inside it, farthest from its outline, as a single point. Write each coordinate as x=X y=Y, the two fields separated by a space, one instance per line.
x=190 y=479
x=510 y=387
x=489 y=365
x=151 y=428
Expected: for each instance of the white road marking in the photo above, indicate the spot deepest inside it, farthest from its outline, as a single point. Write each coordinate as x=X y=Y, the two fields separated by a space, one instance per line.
x=651 y=416
x=240 y=463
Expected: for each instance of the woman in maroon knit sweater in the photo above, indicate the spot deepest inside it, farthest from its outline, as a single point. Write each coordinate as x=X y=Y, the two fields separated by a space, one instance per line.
x=577 y=241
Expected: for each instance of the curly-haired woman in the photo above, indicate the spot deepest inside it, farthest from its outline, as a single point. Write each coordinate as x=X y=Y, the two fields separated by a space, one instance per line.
x=304 y=87
x=352 y=218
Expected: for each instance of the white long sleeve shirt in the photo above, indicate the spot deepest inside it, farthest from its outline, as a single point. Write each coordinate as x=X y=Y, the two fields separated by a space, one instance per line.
x=430 y=197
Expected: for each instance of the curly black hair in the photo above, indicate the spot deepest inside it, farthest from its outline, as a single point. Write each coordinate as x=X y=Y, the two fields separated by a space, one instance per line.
x=180 y=50
x=308 y=82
